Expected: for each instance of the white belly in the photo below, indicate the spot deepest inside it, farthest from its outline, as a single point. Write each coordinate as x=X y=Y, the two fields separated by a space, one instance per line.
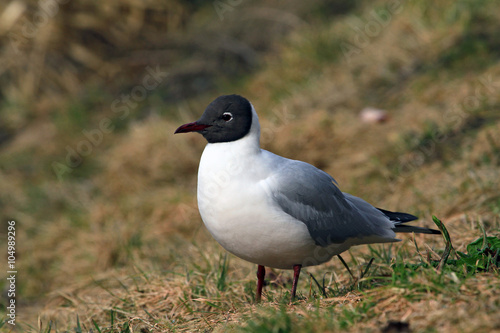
x=236 y=209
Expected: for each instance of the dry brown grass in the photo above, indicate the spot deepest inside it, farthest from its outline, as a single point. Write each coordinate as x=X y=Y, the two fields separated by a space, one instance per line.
x=50 y=47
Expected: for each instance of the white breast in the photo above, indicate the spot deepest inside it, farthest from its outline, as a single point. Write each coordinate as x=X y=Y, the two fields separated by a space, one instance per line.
x=235 y=207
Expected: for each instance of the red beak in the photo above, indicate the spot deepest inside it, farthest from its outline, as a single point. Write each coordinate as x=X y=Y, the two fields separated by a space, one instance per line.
x=191 y=127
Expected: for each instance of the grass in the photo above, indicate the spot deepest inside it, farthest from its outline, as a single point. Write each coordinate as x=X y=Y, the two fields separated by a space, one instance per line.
x=137 y=303
x=117 y=245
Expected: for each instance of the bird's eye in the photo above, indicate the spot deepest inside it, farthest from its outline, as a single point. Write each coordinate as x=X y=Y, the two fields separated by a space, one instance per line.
x=227 y=116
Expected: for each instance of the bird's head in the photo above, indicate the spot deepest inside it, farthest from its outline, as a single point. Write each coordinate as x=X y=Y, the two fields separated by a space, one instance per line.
x=228 y=118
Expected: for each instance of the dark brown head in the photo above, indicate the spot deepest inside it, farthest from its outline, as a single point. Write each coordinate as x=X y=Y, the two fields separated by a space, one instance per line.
x=227 y=118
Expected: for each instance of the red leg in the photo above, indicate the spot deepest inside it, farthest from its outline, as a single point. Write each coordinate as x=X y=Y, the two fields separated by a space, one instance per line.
x=261 y=273
x=296 y=273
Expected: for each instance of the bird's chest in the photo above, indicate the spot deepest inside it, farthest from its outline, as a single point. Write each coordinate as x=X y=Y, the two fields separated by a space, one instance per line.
x=237 y=207
x=227 y=189
x=231 y=188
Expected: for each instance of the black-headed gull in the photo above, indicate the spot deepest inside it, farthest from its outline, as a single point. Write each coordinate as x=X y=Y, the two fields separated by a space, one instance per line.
x=274 y=211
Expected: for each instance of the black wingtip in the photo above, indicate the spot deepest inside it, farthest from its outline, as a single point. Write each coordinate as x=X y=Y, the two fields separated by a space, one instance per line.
x=398 y=217
x=435 y=232
x=401 y=228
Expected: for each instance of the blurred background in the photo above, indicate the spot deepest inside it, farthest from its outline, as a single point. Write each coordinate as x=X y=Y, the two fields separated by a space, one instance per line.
x=398 y=100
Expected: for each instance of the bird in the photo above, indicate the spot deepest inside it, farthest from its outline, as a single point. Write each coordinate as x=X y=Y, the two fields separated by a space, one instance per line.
x=273 y=211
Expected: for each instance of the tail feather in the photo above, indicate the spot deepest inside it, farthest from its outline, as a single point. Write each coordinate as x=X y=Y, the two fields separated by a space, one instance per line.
x=417 y=230
x=400 y=218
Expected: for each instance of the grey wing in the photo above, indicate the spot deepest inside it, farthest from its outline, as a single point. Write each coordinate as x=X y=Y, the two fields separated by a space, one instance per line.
x=311 y=196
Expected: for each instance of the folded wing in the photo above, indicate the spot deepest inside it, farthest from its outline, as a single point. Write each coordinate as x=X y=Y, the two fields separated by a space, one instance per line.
x=312 y=196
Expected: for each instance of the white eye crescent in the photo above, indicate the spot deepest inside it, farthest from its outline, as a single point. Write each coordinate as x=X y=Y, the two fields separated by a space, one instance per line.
x=227 y=116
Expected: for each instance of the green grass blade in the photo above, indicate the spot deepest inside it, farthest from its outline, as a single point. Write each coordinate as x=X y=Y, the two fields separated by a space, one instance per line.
x=485 y=239
x=447 y=240
x=78 y=328
x=322 y=289
x=223 y=269
x=96 y=326
x=367 y=268
x=345 y=265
